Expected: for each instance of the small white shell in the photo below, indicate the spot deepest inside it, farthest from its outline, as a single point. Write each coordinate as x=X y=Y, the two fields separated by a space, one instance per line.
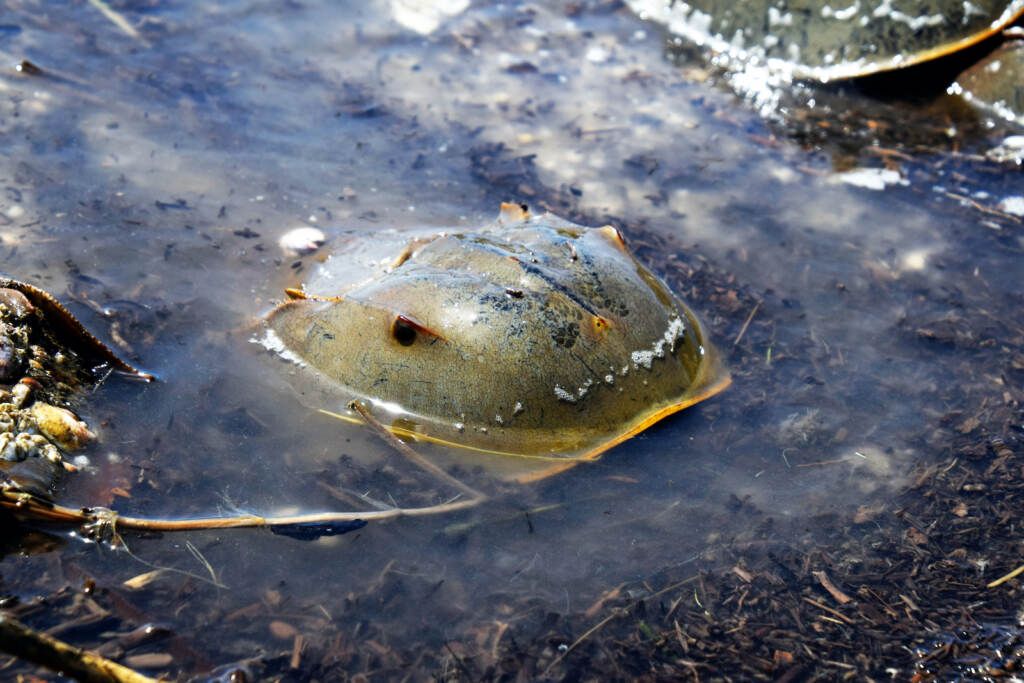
x=302 y=241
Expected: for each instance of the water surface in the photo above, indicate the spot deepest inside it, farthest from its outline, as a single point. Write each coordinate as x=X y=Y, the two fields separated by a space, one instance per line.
x=148 y=178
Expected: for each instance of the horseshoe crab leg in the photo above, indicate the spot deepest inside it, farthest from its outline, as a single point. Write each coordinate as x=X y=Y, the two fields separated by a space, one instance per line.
x=25 y=504
x=384 y=433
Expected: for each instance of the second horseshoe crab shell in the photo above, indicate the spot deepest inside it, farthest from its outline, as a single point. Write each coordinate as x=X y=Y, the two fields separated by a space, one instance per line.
x=534 y=339
x=826 y=40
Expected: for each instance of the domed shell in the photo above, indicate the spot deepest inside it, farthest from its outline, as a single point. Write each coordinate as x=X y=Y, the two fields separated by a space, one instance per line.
x=994 y=84
x=832 y=39
x=535 y=338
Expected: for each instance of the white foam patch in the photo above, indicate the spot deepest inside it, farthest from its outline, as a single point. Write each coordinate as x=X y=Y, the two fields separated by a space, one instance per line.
x=425 y=16
x=1011 y=150
x=916 y=22
x=564 y=395
x=645 y=357
x=915 y=259
x=871 y=178
x=844 y=14
x=642 y=359
x=582 y=391
x=1014 y=205
x=271 y=342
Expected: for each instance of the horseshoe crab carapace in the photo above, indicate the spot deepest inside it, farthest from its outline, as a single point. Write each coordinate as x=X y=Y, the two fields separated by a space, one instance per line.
x=531 y=344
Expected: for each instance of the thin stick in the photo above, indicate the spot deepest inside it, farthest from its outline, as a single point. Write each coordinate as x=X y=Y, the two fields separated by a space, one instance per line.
x=743 y=330
x=593 y=629
x=38 y=648
x=828 y=609
x=837 y=461
x=615 y=613
x=981 y=207
x=1006 y=577
x=118 y=20
x=826 y=583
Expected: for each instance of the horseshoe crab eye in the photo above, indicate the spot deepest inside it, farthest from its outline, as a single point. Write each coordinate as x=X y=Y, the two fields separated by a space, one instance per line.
x=403 y=330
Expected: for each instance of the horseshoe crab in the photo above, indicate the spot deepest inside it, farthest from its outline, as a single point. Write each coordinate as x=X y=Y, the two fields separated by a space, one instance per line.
x=825 y=41
x=532 y=344
x=529 y=345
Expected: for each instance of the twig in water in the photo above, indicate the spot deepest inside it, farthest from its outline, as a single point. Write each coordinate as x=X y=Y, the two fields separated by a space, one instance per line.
x=118 y=20
x=1006 y=577
x=39 y=648
x=203 y=561
x=828 y=609
x=615 y=613
x=981 y=207
x=746 y=324
x=826 y=583
x=458 y=662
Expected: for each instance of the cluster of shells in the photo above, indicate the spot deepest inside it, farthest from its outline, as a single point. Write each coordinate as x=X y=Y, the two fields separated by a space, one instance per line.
x=29 y=426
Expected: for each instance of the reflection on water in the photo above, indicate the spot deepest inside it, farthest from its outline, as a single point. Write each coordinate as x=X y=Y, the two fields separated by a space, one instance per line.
x=147 y=181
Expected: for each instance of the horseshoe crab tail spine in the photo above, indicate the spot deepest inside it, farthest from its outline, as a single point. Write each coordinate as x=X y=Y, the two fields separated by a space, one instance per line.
x=103 y=521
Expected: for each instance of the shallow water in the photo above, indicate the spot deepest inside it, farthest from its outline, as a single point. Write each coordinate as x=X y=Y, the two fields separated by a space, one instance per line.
x=147 y=182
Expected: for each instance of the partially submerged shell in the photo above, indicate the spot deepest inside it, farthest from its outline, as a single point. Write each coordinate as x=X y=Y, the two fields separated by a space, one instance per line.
x=996 y=83
x=534 y=337
x=826 y=39
x=20 y=299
